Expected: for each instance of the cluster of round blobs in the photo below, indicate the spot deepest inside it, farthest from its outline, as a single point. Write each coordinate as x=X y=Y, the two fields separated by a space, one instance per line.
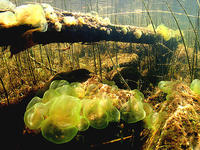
x=64 y=110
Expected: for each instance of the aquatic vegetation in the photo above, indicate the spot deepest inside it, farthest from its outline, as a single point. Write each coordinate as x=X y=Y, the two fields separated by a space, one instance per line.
x=67 y=108
x=177 y=116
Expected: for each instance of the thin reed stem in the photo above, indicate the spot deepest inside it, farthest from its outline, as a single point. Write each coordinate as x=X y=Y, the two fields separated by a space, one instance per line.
x=195 y=33
x=184 y=44
x=100 y=63
x=149 y=16
x=6 y=93
x=94 y=59
x=115 y=67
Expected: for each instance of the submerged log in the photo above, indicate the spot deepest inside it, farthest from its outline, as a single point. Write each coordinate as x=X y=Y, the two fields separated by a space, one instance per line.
x=34 y=24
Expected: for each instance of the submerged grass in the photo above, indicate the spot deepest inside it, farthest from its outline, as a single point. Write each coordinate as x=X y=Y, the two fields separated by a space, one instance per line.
x=154 y=29
x=196 y=39
x=183 y=40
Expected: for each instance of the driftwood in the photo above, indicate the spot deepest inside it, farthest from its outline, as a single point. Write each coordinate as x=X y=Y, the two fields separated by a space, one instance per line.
x=55 y=27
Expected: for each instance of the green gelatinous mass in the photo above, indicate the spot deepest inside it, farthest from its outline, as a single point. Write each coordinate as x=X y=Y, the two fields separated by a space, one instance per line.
x=34 y=101
x=57 y=133
x=58 y=83
x=132 y=111
x=83 y=124
x=67 y=108
x=49 y=95
x=195 y=86
x=96 y=114
x=34 y=116
x=66 y=90
x=166 y=86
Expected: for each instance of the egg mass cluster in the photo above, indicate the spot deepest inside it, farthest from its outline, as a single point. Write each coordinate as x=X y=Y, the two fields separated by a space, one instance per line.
x=67 y=108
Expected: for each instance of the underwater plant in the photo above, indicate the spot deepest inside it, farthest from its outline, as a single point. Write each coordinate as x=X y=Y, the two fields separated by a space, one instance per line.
x=176 y=117
x=67 y=108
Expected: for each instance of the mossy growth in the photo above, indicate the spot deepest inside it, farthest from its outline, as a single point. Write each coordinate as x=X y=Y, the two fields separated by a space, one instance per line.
x=68 y=108
x=175 y=117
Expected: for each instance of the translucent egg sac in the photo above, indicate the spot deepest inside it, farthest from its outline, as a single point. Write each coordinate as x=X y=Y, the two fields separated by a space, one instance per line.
x=57 y=132
x=34 y=116
x=96 y=114
x=132 y=111
x=195 y=86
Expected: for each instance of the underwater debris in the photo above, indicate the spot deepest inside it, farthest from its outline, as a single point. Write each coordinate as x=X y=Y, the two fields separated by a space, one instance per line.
x=176 y=124
x=86 y=106
x=34 y=24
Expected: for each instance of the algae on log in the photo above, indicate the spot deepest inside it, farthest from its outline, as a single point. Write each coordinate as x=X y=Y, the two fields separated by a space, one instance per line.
x=178 y=120
x=25 y=28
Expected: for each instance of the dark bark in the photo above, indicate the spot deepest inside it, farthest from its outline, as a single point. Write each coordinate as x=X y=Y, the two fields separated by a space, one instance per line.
x=93 y=29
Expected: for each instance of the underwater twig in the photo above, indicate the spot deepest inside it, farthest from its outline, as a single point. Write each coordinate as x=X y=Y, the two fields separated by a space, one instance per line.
x=72 y=56
x=18 y=65
x=40 y=47
x=59 y=53
x=9 y=72
x=116 y=56
x=43 y=65
x=30 y=66
x=115 y=67
x=185 y=48
x=94 y=59
x=117 y=140
x=46 y=50
x=149 y=16
x=6 y=93
x=99 y=59
x=77 y=60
